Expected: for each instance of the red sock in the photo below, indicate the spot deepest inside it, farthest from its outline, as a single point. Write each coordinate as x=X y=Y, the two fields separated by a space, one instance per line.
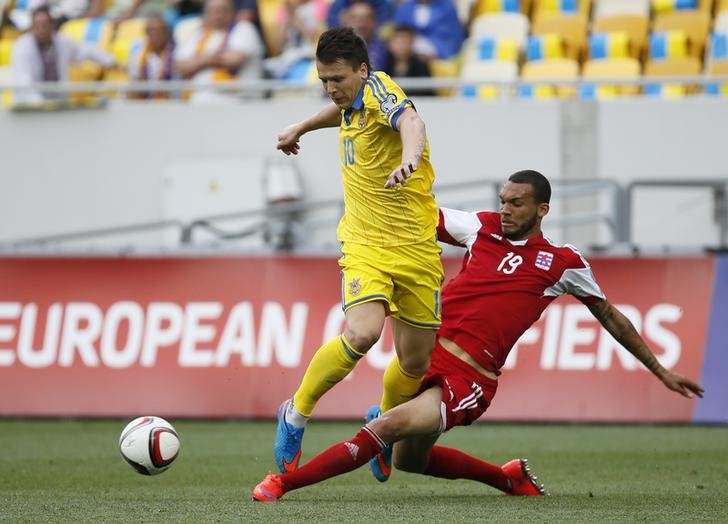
x=339 y=458
x=449 y=463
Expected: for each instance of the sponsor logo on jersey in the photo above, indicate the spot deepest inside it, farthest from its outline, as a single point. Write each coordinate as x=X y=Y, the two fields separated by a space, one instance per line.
x=544 y=260
x=354 y=287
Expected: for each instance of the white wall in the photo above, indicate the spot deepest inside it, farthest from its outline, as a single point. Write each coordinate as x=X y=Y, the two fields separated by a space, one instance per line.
x=73 y=171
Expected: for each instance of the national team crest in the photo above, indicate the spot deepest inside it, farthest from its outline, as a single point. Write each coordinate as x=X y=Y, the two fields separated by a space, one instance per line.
x=544 y=260
x=362 y=119
x=354 y=287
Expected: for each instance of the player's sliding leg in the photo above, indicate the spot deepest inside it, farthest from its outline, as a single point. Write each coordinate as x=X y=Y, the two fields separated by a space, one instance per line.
x=330 y=364
x=416 y=417
x=420 y=455
x=402 y=380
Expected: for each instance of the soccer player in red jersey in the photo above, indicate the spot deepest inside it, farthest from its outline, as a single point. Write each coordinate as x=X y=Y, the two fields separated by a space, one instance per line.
x=510 y=273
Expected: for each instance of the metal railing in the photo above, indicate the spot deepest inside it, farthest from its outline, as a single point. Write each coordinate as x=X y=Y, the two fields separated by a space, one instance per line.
x=258 y=88
x=278 y=218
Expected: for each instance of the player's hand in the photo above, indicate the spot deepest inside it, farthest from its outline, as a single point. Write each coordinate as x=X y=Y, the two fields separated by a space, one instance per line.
x=288 y=140
x=683 y=385
x=401 y=174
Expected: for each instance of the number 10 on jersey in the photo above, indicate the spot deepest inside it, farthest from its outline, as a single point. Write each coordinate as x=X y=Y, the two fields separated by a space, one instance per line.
x=348 y=152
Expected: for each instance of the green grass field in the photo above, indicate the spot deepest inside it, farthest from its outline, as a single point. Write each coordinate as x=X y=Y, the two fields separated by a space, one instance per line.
x=71 y=471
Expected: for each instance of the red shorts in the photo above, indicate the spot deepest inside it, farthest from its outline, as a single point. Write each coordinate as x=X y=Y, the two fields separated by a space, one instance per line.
x=466 y=394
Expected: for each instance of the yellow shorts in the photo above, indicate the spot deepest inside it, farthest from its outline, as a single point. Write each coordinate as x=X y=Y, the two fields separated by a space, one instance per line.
x=407 y=278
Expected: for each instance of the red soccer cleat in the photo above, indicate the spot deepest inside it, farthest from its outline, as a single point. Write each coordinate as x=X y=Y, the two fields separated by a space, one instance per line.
x=523 y=482
x=270 y=489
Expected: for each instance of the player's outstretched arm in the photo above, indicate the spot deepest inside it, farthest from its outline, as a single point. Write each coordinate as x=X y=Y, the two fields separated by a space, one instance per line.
x=413 y=135
x=329 y=116
x=625 y=333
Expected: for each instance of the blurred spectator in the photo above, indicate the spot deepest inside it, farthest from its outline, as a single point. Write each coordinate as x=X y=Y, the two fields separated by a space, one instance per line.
x=362 y=18
x=42 y=55
x=220 y=50
x=439 y=32
x=402 y=61
x=299 y=25
x=153 y=60
x=384 y=9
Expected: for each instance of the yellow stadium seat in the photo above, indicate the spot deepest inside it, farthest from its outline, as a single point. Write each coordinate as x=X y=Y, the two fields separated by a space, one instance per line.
x=612 y=69
x=551 y=71
x=496 y=6
x=548 y=8
x=97 y=31
x=6 y=51
x=571 y=28
x=686 y=66
x=635 y=26
x=695 y=24
x=268 y=14
x=718 y=68
x=444 y=69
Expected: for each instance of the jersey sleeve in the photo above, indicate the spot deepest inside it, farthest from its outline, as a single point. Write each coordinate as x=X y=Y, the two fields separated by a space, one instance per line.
x=458 y=228
x=578 y=280
x=387 y=98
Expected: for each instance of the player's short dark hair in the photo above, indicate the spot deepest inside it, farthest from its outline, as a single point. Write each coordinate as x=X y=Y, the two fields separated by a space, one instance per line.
x=541 y=186
x=341 y=43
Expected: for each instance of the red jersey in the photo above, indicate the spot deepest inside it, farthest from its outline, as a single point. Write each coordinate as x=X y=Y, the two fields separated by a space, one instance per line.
x=504 y=285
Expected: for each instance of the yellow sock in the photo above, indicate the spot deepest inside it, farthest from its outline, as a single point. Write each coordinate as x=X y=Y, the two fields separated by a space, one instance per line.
x=399 y=386
x=331 y=363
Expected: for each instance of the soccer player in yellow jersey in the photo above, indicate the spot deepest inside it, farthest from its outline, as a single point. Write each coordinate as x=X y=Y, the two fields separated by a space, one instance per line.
x=390 y=258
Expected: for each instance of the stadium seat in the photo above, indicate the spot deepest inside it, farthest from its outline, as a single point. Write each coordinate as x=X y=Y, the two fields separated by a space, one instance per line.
x=571 y=28
x=717 y=68
x=694 y=23
x=6 y=51
x=544 y=47
x=482 y=7
x=608 y=45
x=487 y=71
x=609 y=69
x=559 y=8
x=502 y=25
x=664 y=6
x=551 y=71
x=667 y=45
x=635 y=26
x=608 y=8
x=444 y=69
x=268 y=14
x=487 y=48
x=96 y=31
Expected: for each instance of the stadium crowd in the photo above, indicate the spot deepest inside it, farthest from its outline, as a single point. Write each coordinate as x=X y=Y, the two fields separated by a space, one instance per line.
x=489 y=42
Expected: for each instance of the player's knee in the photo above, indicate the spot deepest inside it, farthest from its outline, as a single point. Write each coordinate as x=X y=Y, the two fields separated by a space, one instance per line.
x=389 y=428
x=362 y=338
x=415 y=364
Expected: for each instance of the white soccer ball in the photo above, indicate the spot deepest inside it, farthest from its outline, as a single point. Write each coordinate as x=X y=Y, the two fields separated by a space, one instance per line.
x=149 y=445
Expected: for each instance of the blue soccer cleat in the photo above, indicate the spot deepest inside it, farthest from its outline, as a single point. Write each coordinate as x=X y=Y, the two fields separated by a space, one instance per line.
x=287 y=447
x=381 y=464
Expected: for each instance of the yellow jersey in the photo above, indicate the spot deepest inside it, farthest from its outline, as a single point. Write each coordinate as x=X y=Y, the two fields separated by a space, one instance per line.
x=371 y=148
